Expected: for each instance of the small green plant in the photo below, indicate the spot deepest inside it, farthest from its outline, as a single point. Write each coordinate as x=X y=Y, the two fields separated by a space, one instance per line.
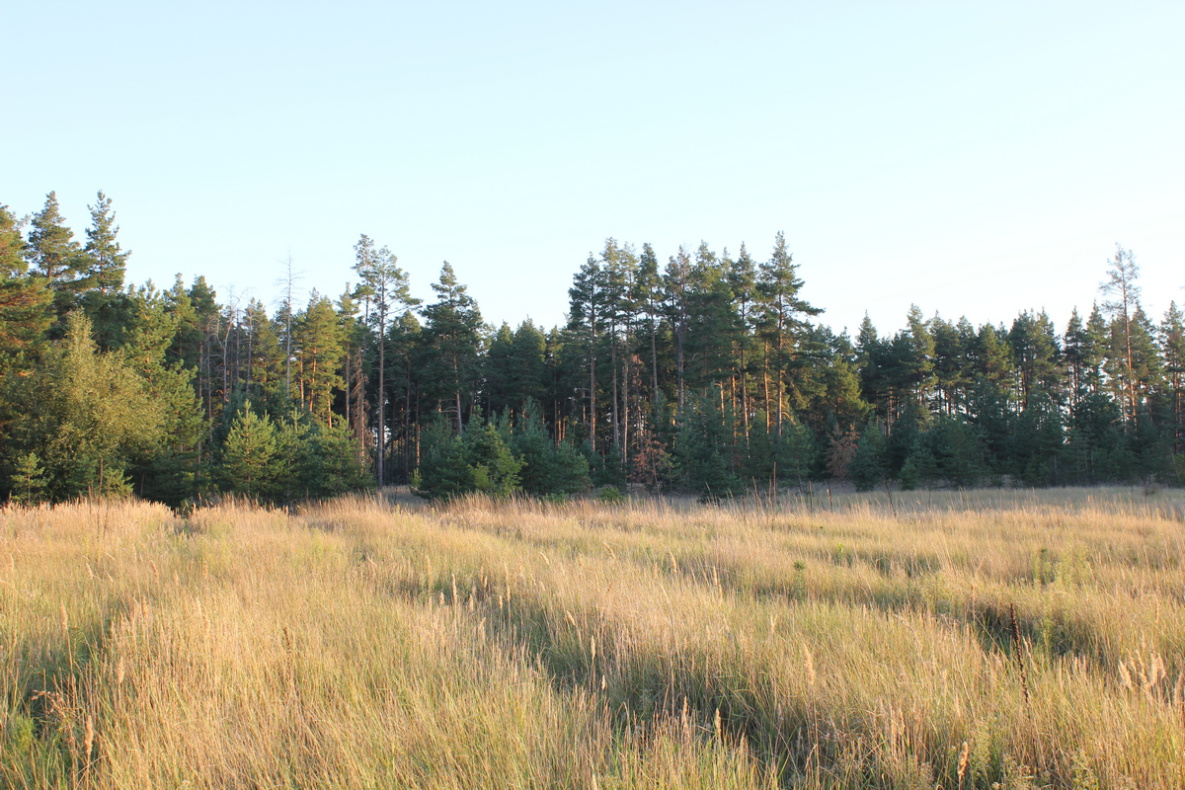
x=610 y=495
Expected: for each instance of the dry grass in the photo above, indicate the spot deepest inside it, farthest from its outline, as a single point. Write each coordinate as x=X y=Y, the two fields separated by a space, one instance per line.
x=957 y=640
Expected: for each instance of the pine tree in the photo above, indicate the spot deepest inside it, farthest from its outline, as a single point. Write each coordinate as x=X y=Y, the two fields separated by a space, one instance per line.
x=1124 y=293
x=919 y=362
x=88 y=416
x=1035 y=352
x=321 y=351
x=100 y=277
x=105 y=261
x=248 y=453
x=867 y=469
x=24 y=299
x=742 y=280
x=169 y=472
x=51 y=248
x=28 y=482
x=452 y=339
x=385 y=288
x=1172 y=343
x=55 y=255
x=1073 y=344
x=703 y=448
x=783 y=312
x=647 y=294
x=951 y=376
x=586 y=315
x=676 y=283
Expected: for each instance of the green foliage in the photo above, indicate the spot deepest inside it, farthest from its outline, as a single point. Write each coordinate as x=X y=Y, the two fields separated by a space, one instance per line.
x=867 y=469
x=710 y=377
x=702 y=449
x=248 y=454
x=477 y=461
x=493 y=468
x=294 y=458
x=548 y=467
x=28 y=480
x=88 y=416
x=796 y=453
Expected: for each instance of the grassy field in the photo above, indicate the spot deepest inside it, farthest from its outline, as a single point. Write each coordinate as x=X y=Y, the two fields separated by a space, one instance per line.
x=957 y=640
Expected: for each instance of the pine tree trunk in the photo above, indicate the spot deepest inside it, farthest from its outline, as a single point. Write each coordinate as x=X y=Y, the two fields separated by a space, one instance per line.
x=654 y=366
x=616 y=420
x=382 y=411
x=592 y=385
x=765 y=382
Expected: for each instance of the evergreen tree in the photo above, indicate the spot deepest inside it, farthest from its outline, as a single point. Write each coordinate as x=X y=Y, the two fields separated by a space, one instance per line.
x=742 y=280
x=24 y=299
x=918 y=361
x=1172 y=342
x=783 y=312
x=586 y=316
x=702 y=448
x=1035 y=353
x=87 y=415
x=247 y=456
x=867 y=469
x=321 y=350
x=1124 y=297
x=105 y=261
x=101 y=274
x=452 y=340
x=55 y=255
x=548 y=468
x=1074 y=342
x=384 y=286
x=28 y=483
x=169 y=473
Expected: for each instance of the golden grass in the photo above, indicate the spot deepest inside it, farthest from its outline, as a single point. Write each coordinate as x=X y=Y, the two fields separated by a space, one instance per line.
x=951 y=640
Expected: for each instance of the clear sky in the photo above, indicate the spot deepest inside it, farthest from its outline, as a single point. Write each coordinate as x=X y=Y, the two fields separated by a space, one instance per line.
x=976 y=158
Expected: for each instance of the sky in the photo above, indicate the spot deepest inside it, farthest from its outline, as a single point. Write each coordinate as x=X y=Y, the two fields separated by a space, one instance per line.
x=973 y=158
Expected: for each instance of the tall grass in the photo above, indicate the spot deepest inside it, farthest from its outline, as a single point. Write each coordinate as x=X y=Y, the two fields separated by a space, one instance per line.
x=1024 y=639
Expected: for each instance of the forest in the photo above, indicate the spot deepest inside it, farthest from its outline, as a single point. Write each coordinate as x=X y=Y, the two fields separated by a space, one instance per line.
x=708 y=373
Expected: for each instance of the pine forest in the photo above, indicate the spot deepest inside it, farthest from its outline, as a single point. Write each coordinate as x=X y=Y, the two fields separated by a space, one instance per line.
x=704 y=371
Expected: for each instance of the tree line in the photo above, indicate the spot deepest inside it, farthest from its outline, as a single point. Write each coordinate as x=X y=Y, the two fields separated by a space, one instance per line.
x=708 y=373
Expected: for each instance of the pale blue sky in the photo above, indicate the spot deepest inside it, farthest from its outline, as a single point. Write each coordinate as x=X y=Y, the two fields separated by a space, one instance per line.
x=976 y=158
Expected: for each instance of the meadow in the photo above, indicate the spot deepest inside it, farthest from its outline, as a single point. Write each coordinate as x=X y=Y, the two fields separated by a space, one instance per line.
x=1018 y=639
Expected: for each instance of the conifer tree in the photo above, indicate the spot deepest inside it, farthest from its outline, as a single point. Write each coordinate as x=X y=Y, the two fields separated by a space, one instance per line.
x=453 y=341
x=783 y=316
x=55 y=255
x=24 y=299
x=386 y=290
x=742 y=280
x=676 y=283
x=586 y=315
x=1172 y=340
x=1124 y=297
x=320 y=342
x=28 y=480
x=247 y=456
x=647 y=294
x=51 y=247
x=104 y=260
x=88 y=415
